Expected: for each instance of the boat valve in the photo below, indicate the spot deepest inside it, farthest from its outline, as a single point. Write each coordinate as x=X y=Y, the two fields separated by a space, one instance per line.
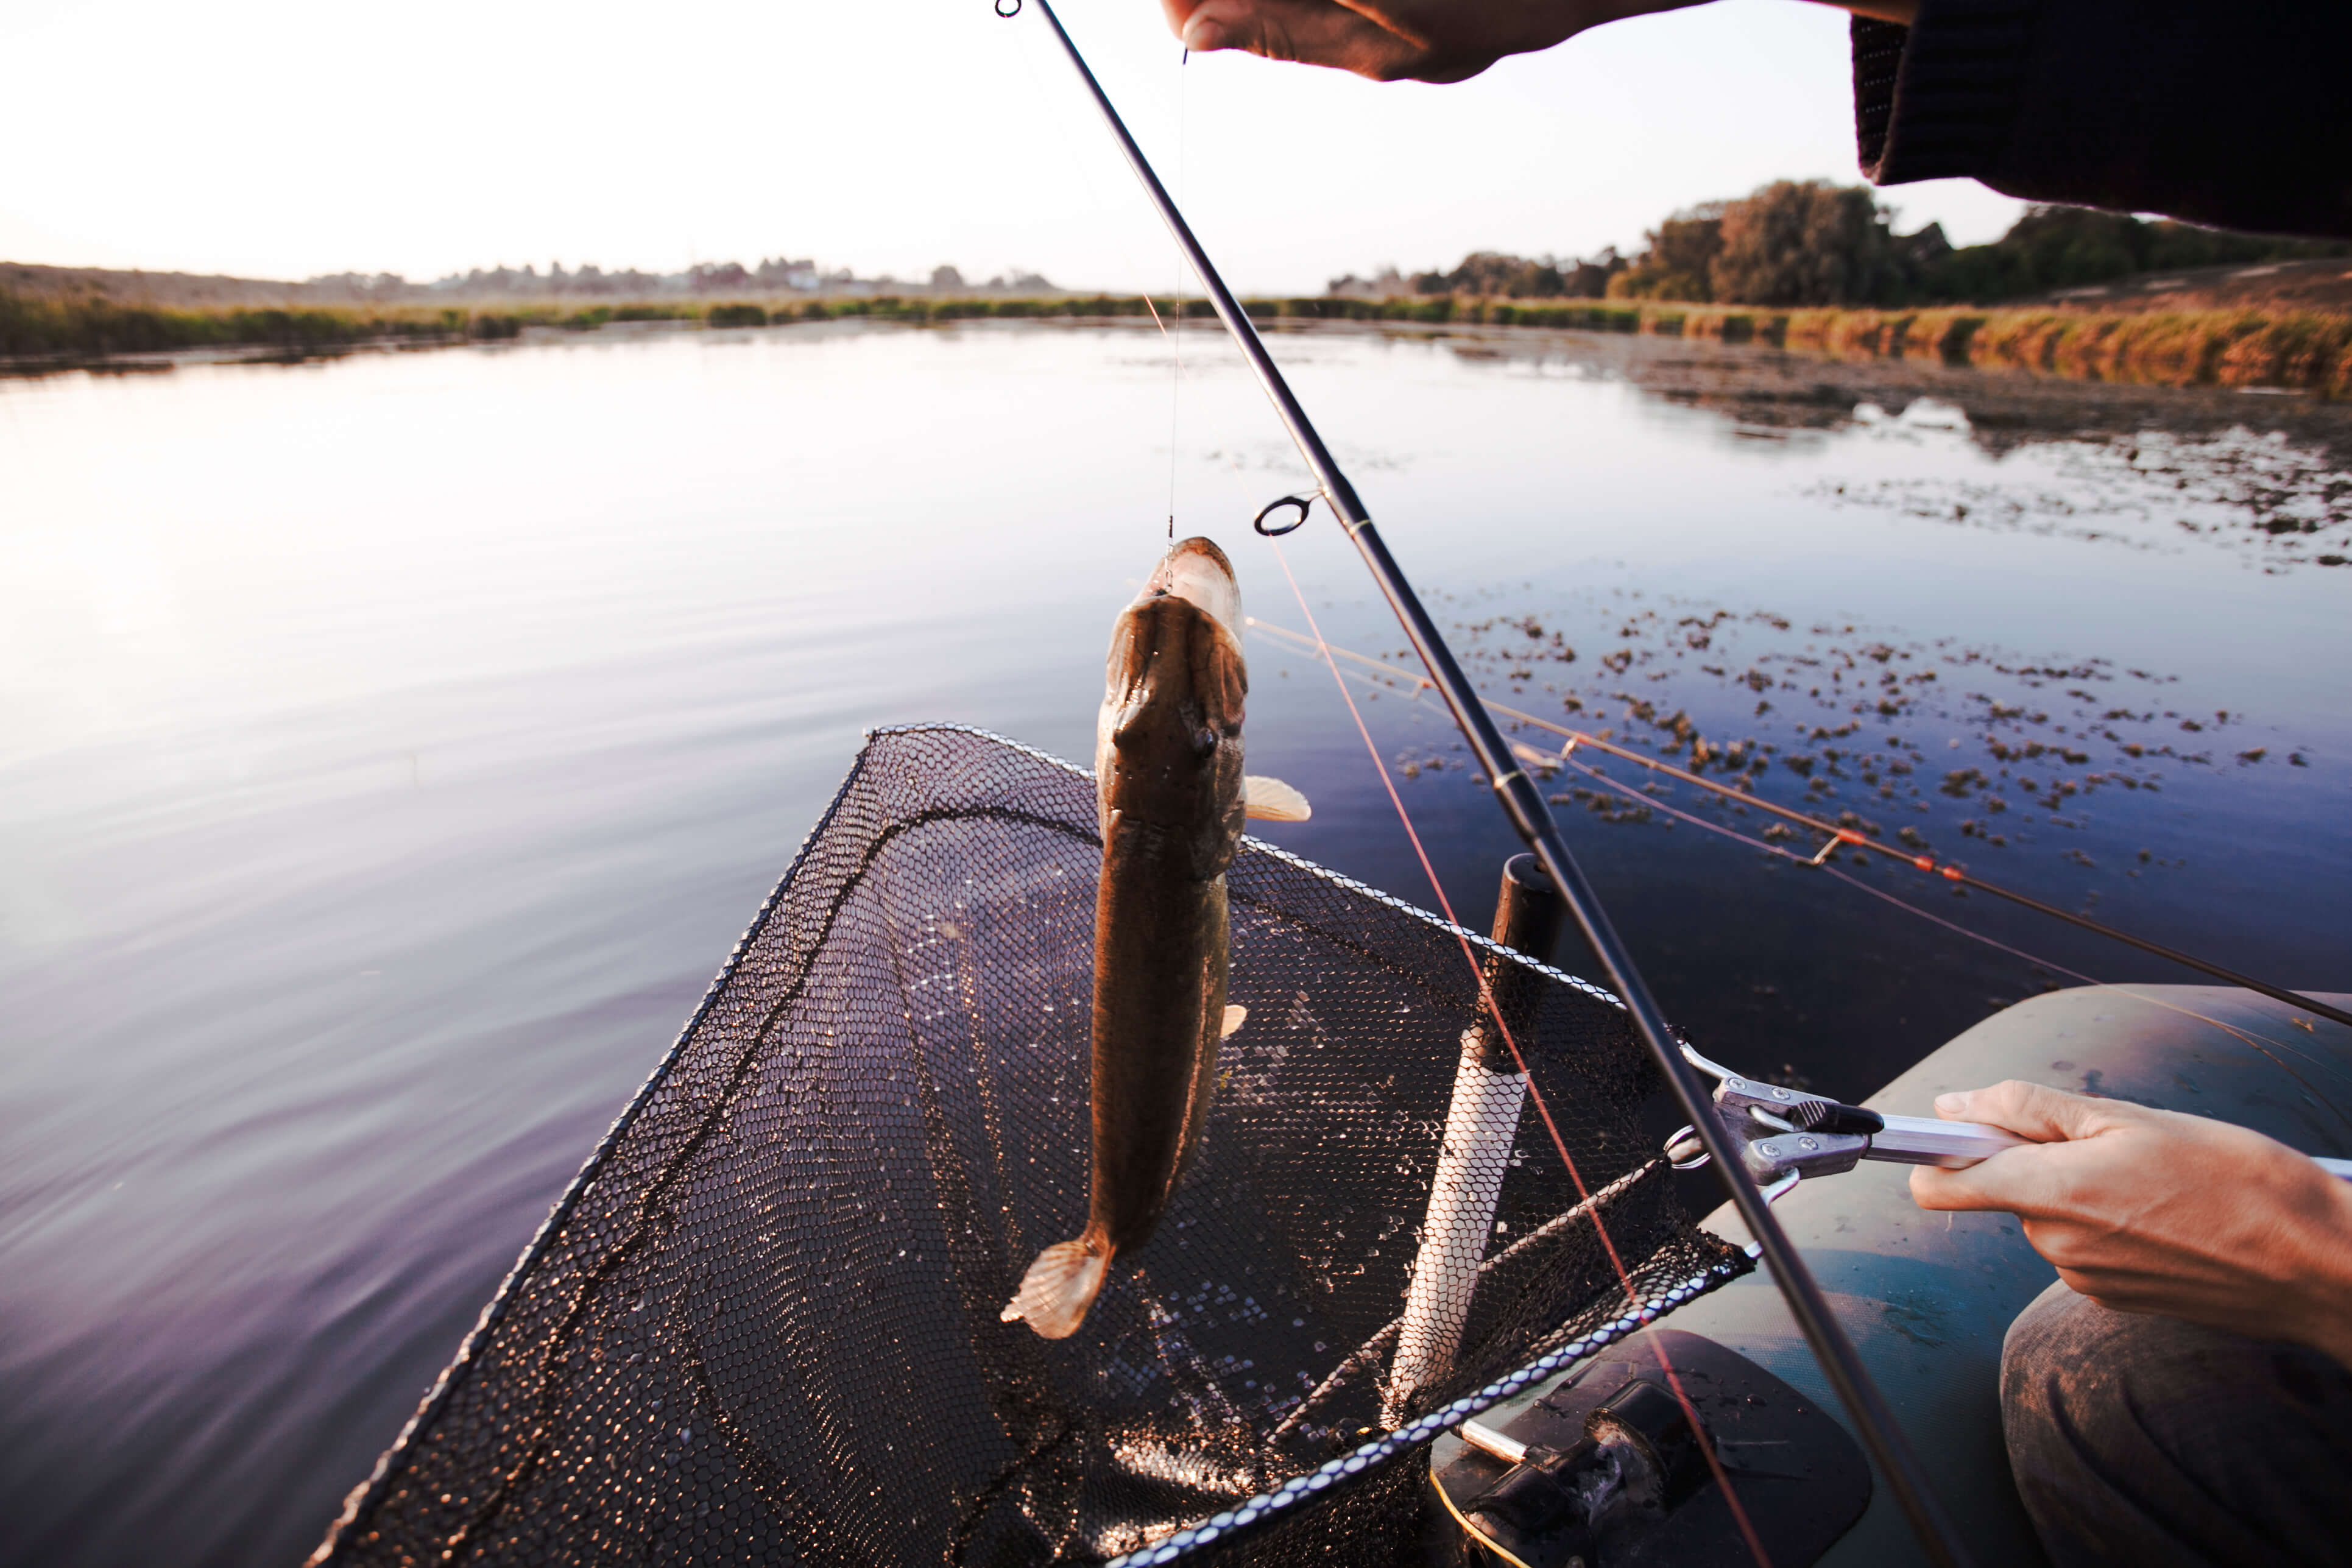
x=1638 y=1459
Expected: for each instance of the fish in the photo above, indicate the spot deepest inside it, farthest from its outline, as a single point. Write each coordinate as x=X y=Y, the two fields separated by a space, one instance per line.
x=1170 y=798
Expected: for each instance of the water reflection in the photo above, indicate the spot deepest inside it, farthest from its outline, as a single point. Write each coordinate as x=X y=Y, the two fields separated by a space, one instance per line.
x=392 y=748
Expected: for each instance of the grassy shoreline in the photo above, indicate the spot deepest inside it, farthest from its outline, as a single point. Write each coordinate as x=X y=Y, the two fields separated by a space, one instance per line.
x=2303 y=351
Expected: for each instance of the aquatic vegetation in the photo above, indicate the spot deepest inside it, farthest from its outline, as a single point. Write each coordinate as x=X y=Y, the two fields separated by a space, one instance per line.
x=2280 y=504
x=92 y=327
x=2295 y=350
x=2016 y=757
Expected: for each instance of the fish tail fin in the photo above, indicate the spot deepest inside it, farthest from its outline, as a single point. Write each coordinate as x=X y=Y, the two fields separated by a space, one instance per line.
x=1060 y=1287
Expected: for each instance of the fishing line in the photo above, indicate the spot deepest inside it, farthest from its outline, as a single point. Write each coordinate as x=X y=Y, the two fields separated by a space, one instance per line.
x=1175 y=337
x=1176 y=381
x=1517 y=797
x=2260 y=1046
x=1819 y=863
x=1103 y=210
x=1841 y=835
x=1486 y=998
x=1494 y=1010
x=1838 y=837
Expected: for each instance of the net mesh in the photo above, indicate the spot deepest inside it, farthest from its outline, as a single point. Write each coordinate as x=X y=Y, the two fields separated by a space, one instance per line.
x=763 y=1325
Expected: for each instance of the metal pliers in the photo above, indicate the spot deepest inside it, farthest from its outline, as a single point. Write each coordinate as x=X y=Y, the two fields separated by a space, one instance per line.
x=1786 y=1134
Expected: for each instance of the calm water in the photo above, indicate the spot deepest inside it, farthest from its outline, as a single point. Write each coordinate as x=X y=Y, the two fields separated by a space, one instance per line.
x=391 y=749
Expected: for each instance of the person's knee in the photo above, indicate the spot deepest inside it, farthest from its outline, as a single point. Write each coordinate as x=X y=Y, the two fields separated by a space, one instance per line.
x=2060 y=1385
x=2132 y=1435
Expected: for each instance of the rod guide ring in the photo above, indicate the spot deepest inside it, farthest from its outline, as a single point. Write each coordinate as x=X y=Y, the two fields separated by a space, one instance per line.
x=1300 y=503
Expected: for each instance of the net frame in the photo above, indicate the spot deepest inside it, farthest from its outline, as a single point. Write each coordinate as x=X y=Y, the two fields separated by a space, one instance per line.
x=1665 y=1281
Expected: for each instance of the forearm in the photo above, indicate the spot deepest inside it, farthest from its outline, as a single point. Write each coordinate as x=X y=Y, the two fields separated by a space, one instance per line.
x=2209 y=111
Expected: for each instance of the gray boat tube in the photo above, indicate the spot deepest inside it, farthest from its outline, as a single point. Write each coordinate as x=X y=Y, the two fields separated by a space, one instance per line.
x=1927 y=1298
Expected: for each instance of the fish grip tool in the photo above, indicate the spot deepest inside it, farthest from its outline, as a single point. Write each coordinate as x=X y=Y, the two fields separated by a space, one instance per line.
x=1786 y=1135
x=1531 y=819
x=761 y=1325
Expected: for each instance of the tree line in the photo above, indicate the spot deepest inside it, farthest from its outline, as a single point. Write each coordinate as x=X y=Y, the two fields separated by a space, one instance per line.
x=1798 y=243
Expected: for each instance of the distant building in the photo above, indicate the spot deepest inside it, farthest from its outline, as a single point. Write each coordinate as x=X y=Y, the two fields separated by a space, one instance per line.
x=783 y=272
x=1389 y=283
x=709 y=277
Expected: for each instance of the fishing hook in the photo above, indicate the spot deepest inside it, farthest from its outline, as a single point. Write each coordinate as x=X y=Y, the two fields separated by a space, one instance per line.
x=1303 y=502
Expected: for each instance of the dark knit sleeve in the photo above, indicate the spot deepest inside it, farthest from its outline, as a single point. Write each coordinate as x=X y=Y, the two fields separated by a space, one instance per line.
x=2220 y=113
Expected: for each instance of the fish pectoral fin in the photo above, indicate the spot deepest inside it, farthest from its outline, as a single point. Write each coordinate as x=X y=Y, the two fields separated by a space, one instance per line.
x=1271 y=800
x=1058 y=1288
x=1235 y=1014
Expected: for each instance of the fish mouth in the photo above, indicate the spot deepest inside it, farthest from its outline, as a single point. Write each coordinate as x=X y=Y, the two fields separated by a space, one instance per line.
x=1197 y=572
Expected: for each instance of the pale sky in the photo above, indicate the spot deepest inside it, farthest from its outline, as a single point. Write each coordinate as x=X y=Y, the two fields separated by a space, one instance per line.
x=272 y=139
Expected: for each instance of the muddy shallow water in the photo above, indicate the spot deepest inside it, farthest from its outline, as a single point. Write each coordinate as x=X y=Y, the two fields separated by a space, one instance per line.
x=391 y=749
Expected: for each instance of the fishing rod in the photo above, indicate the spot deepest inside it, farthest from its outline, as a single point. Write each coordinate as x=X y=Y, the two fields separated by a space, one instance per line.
x=1840 y=837
x=1524 y=804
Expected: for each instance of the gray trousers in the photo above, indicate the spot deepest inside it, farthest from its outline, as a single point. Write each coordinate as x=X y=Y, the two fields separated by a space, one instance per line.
x=2148 y=1441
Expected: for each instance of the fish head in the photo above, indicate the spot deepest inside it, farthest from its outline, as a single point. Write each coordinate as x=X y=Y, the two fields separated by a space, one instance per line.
x=1196 y=571
x=1168 y=744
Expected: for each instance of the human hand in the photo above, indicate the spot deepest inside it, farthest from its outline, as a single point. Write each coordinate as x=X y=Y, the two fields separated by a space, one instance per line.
x=2152 y=1210
x=1392 y=40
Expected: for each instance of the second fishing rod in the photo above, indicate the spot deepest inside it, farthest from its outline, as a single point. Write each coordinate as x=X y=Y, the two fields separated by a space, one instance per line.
x=1524 y=804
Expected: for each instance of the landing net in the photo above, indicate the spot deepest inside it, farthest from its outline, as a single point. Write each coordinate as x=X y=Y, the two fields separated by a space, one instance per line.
x=763 y=1325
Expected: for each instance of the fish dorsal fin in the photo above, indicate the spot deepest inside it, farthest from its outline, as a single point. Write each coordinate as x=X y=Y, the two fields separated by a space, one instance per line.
x=1271 y=800
x=1235 y=1014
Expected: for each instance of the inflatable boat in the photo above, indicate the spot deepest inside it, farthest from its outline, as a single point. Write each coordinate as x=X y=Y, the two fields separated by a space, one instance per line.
x=1927 y=1298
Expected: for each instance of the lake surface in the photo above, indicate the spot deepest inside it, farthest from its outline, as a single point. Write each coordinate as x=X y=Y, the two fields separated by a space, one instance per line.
x=392 y=748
